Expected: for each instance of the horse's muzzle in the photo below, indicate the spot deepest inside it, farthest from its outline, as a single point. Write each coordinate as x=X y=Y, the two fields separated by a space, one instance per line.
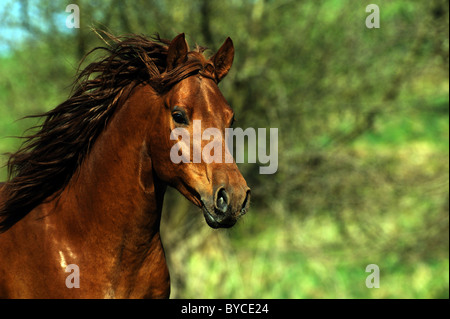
x=226 y=207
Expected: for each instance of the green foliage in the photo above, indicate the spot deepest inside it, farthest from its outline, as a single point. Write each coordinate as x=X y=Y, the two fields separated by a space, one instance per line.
x=363 y=123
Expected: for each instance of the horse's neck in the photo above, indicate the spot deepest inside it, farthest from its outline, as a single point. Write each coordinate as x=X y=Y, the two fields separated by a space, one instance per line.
x=116 y=180
x=114 y=201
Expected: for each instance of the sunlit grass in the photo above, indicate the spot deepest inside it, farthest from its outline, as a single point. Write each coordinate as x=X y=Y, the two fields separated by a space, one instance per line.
x=263 y=268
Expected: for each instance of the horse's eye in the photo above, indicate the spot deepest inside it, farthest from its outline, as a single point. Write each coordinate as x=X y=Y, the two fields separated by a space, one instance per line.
x=179 y=118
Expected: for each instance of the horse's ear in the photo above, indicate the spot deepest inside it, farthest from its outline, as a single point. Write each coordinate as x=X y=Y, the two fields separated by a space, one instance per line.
x=223 y=59
x=177 y=53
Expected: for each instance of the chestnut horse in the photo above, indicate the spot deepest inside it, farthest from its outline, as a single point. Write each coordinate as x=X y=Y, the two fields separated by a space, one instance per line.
x=87 y=189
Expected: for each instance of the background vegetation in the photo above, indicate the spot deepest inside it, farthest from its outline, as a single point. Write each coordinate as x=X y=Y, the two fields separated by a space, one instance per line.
x=363 y=123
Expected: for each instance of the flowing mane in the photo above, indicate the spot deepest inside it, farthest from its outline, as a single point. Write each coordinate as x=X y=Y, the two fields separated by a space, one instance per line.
x=47 y=160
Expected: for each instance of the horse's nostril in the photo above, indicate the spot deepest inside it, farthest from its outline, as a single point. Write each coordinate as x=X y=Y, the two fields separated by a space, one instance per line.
x=246 y=202
x=222 y=200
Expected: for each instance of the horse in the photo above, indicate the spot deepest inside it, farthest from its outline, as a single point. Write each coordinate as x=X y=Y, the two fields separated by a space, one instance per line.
x=86 y=189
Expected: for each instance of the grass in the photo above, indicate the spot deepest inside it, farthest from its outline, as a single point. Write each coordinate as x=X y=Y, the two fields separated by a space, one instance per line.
x=302 y=266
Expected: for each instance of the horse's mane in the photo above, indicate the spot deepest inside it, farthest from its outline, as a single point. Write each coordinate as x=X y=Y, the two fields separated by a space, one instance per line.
x=47 y=160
